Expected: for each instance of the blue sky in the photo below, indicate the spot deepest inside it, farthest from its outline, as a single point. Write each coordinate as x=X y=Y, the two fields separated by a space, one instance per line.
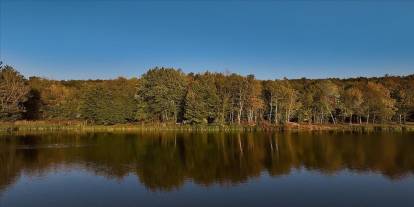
x=269 y=38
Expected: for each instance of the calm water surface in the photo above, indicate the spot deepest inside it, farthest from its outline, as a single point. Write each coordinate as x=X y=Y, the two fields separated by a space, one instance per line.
x=214 y=169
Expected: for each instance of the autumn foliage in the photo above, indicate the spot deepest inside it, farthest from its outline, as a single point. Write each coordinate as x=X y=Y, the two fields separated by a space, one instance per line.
x=169 y=95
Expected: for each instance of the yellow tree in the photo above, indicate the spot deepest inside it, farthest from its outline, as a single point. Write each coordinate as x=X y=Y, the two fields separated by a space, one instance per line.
x=351 y=100
x=288 y=99
x=13 y=92
x=378 y=102
x=405 y=100
x=255 y=103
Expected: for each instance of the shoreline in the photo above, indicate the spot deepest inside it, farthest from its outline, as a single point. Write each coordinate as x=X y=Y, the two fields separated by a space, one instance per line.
x=75 y=126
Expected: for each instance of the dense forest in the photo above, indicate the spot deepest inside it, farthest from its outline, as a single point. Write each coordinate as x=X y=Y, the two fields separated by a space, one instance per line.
x=170 y=96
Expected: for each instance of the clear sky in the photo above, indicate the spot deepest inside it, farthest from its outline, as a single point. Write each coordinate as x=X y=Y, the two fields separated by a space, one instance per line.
x=269 y=38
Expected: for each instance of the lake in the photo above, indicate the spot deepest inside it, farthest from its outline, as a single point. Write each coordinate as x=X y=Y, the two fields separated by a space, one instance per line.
x=207 y=169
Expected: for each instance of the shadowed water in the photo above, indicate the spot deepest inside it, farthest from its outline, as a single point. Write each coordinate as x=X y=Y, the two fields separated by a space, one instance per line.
x=207 y=169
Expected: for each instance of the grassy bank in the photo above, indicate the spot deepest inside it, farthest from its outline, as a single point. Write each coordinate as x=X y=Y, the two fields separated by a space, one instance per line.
x=49 y=126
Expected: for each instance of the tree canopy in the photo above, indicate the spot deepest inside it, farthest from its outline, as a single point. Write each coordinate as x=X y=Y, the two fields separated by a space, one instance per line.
x=13 y=92
x=170 y=95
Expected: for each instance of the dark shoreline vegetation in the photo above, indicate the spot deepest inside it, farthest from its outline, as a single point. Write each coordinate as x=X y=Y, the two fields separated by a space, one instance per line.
x=34 y=127
x=170 y=99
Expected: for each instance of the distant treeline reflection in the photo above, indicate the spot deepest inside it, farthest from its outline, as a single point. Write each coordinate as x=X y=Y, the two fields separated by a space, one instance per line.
x=164 y=161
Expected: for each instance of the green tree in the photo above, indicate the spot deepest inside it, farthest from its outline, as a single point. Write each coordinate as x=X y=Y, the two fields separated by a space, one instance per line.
x=238 y=87
x=110 y=102
x=202 y=101
x=224 y=93
x=162 y=91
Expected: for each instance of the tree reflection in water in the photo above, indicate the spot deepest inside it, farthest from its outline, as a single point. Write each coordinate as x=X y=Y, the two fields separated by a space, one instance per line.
x=164 y=161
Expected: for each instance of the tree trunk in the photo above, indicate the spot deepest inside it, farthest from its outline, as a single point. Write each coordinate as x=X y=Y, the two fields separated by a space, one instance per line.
x=255 y=117
x=271 y=108
x=313 y=117
x=276 y=111
x=239 y=116
x=333 y=118
x=286 y=115
x=322 y=116
x=250 y=116
x=290 y=109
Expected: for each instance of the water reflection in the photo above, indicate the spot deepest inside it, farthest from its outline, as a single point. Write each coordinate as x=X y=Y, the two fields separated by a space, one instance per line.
x=164 y=161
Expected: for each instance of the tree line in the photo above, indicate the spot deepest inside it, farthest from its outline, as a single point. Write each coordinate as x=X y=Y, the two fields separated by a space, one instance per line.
x=170 y=96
